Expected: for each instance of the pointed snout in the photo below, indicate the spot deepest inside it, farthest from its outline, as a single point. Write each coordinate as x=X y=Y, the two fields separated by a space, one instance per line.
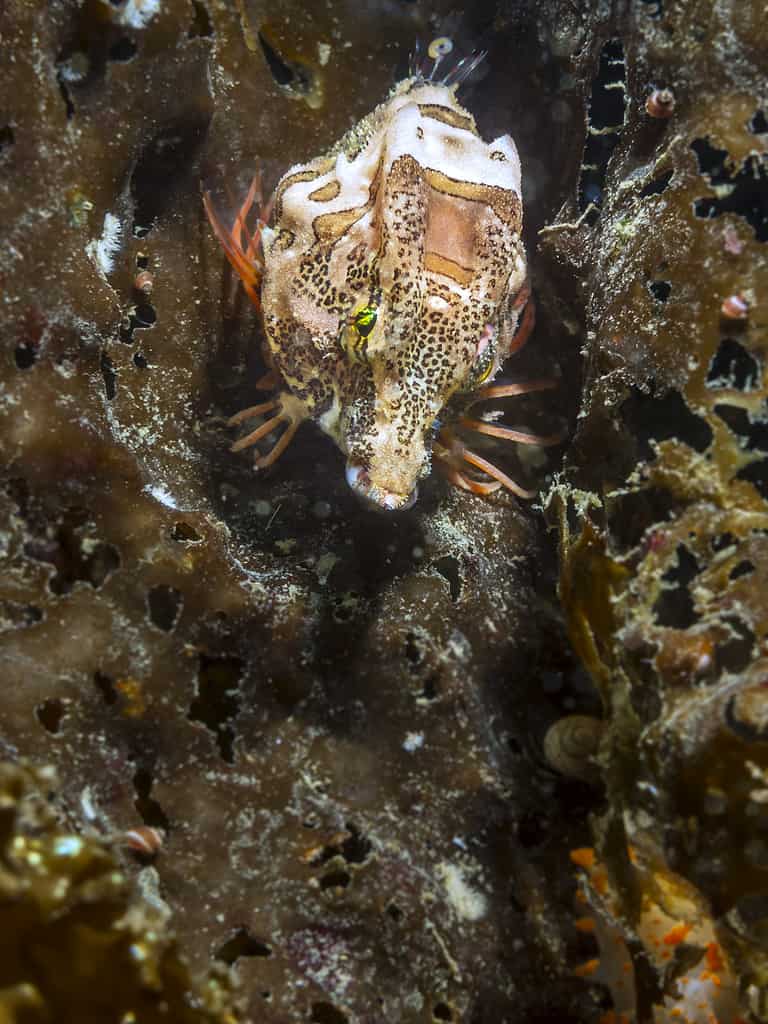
x=360 y=481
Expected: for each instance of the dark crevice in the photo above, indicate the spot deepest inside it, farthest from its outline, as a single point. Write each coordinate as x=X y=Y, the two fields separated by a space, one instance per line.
x=744 y=568
x=335 y=879
x=351 y=845
x=150 y=811
x=394 y=912
x=25 y=355
x=756 y=473
x=50 y=714
x=326 y=1013
x=686 y=570
x=109 y=375
x=632 y=514
x=722 y=541
x=140 y=361
x=106 y=687
x=744 y=189
x=123 y=50
x=733 y=367
x=607 y=106
x=7 y=138
x=74 y=562
x=66 y=96
x=660 y=290
x=413 y=652
x=165 y=166
x=431 y=689
x=659 y=419
x=288 y=74
x=657 y=186
x=218 y=700
x=356 y=848
x=140 y=318
x=674 y=607
x=201 y=21
x=242 y=944
x=448 y=567
x=164 y=604
x=758 y=124
x=183 y=533
x=753 y=434
x=736 y=652
x=441 y=1011
x=608 y=100
x=281 y=70
x=712 y=162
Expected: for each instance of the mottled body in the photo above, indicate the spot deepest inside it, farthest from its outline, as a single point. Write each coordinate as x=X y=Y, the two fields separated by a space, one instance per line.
x=393 y=279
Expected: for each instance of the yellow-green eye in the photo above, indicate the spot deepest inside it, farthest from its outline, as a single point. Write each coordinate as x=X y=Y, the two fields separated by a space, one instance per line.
x=486 y=373
x=365 y=320
x=440 y=47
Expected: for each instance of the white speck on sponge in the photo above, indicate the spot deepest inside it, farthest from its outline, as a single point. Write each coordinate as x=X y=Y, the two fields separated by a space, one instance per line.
x=466 y=902
x=138 y=13
x=412 y=741
x=161 y=494
x=103 y=250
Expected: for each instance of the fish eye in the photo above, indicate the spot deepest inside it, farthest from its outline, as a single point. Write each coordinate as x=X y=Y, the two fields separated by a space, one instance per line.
x=440 y=47
x=365 y=320
x=485 y=358
x=357 y=329
x=485 y=373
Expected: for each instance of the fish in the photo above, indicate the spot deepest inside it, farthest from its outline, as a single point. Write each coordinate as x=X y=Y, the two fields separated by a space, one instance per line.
x=392 y=282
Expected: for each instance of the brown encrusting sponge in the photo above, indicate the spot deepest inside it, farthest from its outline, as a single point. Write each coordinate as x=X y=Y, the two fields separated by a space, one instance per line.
x=372 y=768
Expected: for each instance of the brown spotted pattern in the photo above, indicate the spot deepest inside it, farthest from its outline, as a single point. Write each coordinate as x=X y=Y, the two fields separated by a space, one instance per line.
x=414 y=215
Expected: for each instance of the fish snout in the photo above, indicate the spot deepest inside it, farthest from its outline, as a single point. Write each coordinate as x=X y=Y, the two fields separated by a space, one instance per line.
x=359 y=479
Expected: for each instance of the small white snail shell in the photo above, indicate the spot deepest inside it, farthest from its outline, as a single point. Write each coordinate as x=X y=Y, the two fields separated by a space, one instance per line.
x=144 y=282
x=735 y=307
x=144 y=840
x=660 y=103
x=570 y=745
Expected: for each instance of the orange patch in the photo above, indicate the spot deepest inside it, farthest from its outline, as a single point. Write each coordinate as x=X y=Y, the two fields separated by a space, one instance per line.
x=585 y=924
x=715 y=960
x=586 y=970
x=584 y=856
x=600 y=881
x=676 y=935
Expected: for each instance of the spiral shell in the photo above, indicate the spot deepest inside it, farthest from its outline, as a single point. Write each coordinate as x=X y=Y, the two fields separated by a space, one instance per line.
x=144 y=282
x=570 y=745
x=144 y=840
x=660 y=103
x=735 y=307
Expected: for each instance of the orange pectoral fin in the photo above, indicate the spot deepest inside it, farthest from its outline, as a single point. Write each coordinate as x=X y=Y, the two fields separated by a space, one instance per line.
x=243 y=259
